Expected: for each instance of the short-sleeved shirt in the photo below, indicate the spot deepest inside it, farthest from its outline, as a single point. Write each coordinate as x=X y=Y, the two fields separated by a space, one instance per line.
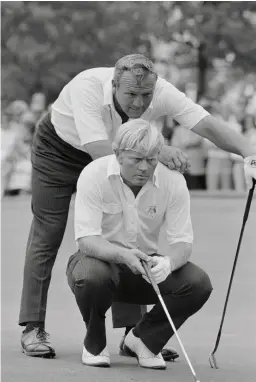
x=84 y=111
x=106 y=206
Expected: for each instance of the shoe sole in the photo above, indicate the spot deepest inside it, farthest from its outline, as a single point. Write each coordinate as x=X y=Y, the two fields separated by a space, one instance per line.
x=48 y=354
x=133 y=354
x=129 y=353
x=97 y=364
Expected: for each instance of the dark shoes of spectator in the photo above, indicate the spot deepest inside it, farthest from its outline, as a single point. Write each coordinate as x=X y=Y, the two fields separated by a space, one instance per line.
x=36 y=343
x=168 y=354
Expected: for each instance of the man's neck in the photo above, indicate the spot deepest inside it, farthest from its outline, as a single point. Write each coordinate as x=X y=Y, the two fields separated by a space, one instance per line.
x=134 y=189
x=120 y=110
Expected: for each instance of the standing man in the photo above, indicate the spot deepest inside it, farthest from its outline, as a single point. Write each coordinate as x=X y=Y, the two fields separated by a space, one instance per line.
x=80 y=128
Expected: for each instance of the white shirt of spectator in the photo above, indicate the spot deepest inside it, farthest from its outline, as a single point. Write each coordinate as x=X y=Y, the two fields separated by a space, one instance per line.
x=84 y=111
x=106 y=206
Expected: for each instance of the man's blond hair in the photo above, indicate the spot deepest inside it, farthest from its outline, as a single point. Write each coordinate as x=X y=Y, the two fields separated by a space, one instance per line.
x=140 y=136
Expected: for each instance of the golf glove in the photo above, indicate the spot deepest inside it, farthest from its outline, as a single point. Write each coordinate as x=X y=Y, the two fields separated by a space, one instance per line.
x=161 y=268
x=250 y=169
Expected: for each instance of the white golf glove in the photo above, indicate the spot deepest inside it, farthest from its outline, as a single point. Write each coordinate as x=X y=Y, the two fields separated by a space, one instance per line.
x=250 y=170
x=161 y=268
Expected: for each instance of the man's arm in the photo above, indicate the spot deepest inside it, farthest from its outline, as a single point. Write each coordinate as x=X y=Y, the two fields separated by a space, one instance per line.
x=99 y=149
x=179 y=230
x=179 y=254
x=99 y=248
x=223 y=136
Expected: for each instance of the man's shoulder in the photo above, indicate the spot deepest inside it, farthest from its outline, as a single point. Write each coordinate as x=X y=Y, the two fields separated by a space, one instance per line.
x=96 y=171
x=101 y=74
x=100 y=163
x=169 y=178
x=163 y=85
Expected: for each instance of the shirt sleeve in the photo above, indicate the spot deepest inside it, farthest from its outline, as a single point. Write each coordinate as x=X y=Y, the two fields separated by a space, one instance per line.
x=86 y=100
x=179 y=107
x=88 y=205
x=177 y=218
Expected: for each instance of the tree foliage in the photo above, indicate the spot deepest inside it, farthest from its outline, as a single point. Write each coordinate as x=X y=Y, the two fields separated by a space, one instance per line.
x=45 y=44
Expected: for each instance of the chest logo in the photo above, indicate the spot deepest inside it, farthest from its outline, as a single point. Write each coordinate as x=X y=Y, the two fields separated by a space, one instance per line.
x=152 y=211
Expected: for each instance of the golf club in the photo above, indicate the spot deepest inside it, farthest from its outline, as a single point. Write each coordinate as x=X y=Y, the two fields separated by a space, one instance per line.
x=156 y=289
x=212 y=358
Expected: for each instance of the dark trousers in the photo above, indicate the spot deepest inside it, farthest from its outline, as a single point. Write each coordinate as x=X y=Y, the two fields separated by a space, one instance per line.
x=96 y=284
x=56 y=168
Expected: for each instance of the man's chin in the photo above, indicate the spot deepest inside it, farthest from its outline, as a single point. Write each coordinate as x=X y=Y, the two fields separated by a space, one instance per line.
x=140 y=182
x=134 y=114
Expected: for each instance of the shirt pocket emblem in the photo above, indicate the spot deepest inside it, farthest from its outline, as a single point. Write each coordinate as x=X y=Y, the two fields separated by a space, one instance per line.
x=152 y=211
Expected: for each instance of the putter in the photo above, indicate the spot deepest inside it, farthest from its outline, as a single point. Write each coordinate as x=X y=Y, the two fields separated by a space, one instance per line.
x=212 y=358
x=156 y=289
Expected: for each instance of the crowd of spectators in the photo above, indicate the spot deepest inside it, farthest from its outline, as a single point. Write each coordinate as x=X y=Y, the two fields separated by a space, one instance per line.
x=18 y=124
x=211 y=168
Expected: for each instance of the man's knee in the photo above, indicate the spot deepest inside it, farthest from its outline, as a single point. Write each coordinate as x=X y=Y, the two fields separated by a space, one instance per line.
x=201 y=284
x=89 y=274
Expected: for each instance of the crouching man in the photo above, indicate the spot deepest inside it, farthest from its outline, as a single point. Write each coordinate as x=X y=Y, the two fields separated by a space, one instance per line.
x=121 y=204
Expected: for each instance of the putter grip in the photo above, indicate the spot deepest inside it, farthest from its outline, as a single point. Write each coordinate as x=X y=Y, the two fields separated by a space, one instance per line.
x=148 y=273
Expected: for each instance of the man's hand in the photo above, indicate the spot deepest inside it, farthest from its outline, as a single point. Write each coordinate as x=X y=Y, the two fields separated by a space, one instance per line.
x=174 y=158
x=161 y=268
x=132 y=260
x=250 y=170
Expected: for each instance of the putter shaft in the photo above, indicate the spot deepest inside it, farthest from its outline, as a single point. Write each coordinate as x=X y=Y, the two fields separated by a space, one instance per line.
x=212 y=358
x=155 y=287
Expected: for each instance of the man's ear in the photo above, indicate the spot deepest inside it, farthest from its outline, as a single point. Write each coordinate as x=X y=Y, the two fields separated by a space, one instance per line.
x=113 y=86
x=119 y=156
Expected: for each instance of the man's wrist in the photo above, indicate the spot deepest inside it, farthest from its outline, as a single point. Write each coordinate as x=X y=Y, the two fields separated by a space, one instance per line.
x=162 y=157
x=170 y=263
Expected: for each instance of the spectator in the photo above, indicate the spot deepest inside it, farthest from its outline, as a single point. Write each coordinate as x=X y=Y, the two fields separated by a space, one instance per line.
x=22 y=171
x=219 y=164
x=13 y=133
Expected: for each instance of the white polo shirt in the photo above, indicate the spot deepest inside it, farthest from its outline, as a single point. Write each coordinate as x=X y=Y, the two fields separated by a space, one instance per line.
x=84 y=111
x=106 y=206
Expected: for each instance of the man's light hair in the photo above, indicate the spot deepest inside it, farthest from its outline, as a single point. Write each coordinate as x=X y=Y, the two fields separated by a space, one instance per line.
x=140 y=136
x=138 y=64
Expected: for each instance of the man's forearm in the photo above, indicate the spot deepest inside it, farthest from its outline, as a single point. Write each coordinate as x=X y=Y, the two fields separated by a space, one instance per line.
x=99 y=248
x=179 y=254
x=99 y=149
x=223 y=136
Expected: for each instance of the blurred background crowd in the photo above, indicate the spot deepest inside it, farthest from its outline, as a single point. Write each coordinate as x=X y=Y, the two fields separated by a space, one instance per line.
x=206 y=49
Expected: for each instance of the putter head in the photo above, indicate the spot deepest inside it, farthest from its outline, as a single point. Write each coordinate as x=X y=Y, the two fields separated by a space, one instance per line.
x=213 y=361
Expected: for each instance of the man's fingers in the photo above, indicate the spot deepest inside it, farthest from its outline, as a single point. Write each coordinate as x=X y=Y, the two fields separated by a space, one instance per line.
x=171 y=165
x=177 y=162
x=183 y=158
x=137 y=269
x=141 y=255
x=146 y=278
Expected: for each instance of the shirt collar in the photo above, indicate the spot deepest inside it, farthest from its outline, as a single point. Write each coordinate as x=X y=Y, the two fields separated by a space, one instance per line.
x=108 y=94
x=114 y=170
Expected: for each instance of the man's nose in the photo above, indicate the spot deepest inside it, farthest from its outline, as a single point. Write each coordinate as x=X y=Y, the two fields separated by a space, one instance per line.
x=143 y=165
x=138 y=102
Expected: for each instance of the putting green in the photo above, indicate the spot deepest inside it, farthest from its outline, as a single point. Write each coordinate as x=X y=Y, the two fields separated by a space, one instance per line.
x=217 y=223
